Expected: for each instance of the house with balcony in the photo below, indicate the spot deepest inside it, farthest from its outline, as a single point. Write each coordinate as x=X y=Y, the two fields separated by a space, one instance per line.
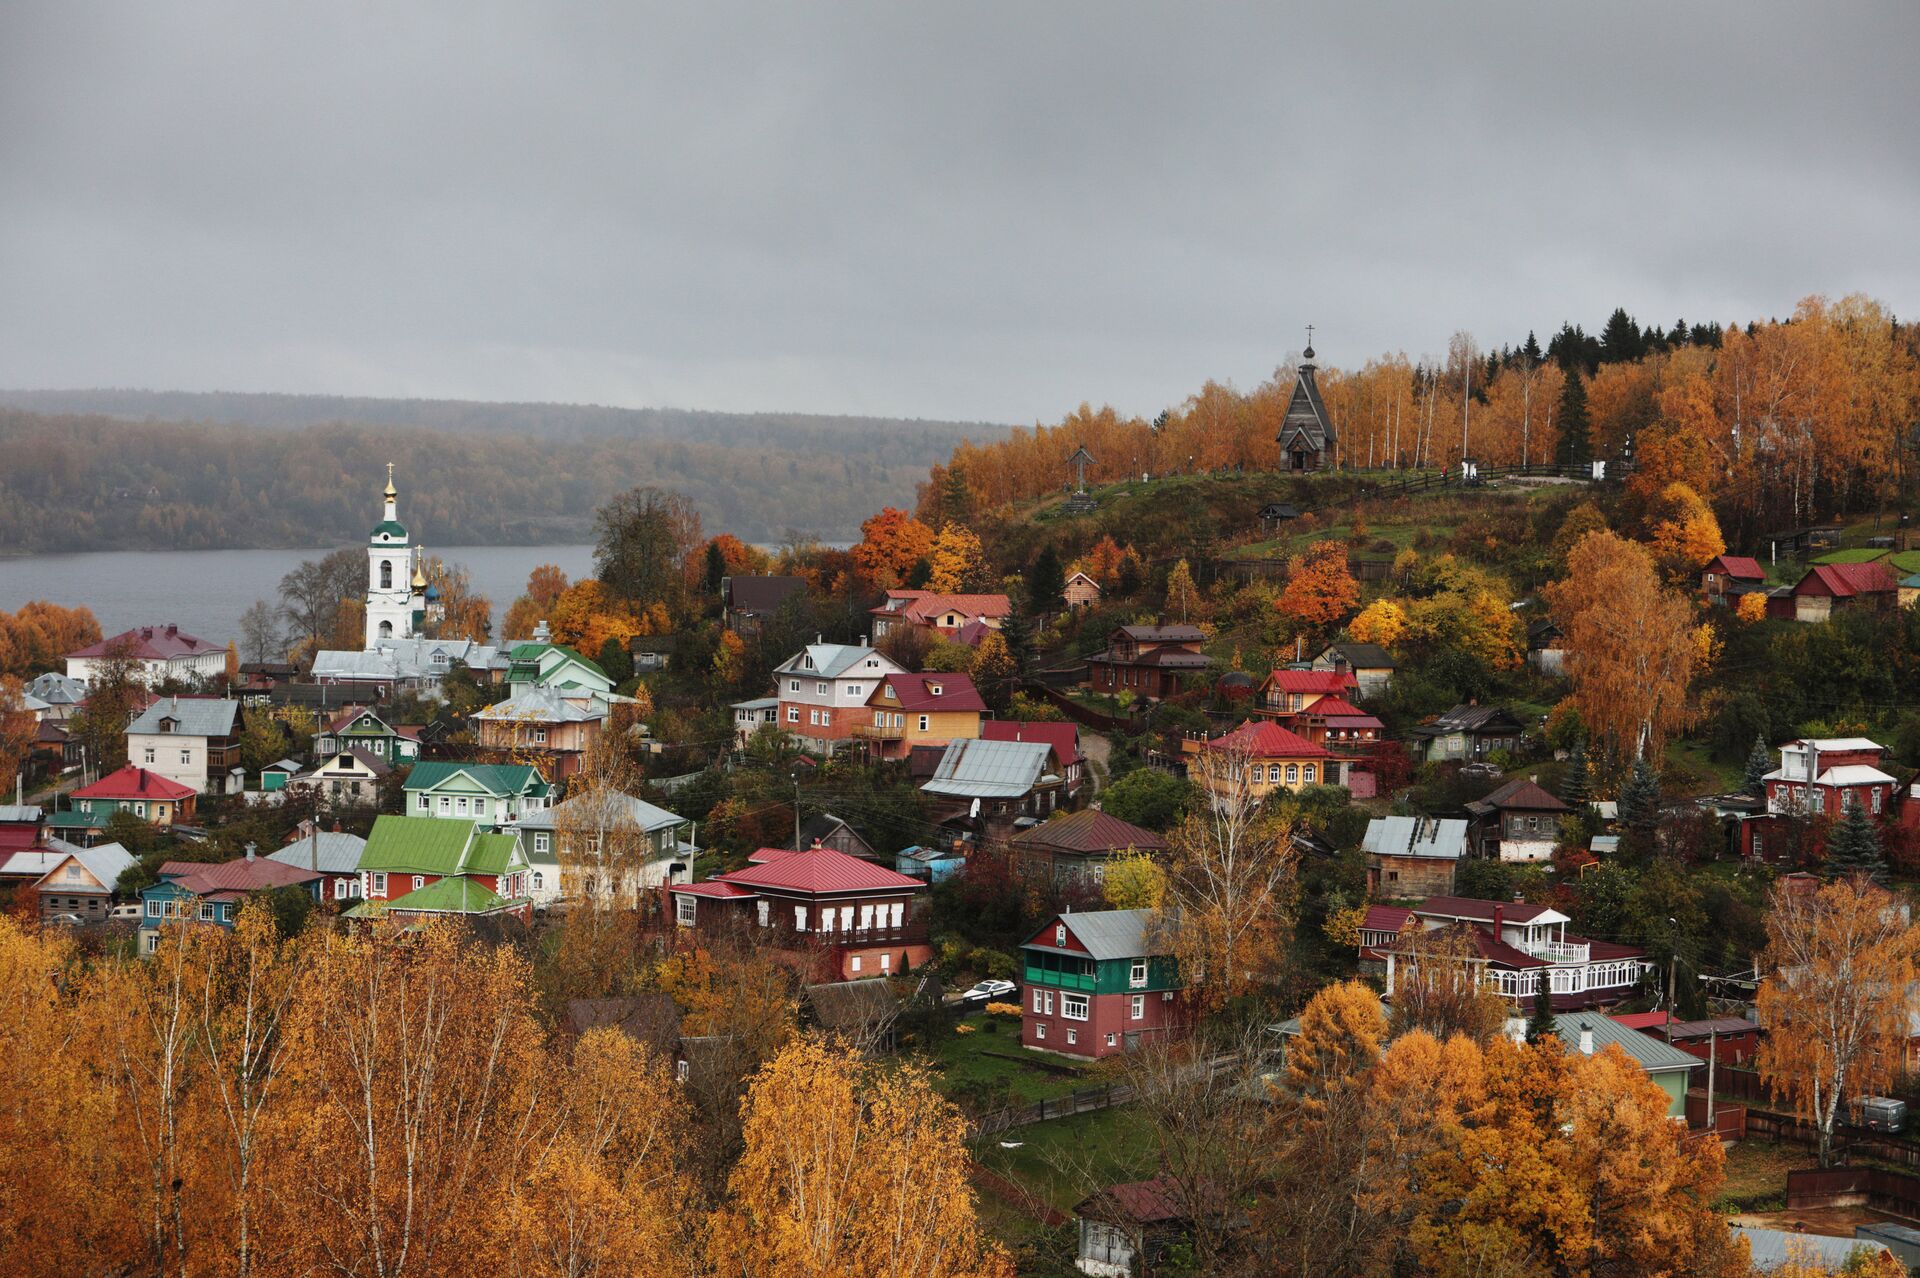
x=842 y=916
x=1520 y=821
x=417 y=868
x=1511 y=944
x=943 y=615
x=1099 y=983
x=1287 y=694
x=824 y=689
x=1148 y=661
x=495 y=795
x=395 y=744
x=554 y=725
x=147 y=795
x=750 y=716
x=920 y=710
x=1819 y=778
x=193 y=741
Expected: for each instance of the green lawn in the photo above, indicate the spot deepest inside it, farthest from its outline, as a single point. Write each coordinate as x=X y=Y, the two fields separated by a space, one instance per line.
x=1757 y=1170
x=1064 y=1160
x=1715 y=777
x=991 y=1070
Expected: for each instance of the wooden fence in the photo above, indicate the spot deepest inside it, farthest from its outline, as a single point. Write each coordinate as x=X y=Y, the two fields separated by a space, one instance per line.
x=1078 y=713
x=1083 y=1101
x=1894 y=1192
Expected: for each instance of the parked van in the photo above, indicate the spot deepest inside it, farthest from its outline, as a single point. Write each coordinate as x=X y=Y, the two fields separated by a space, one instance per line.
x=1880 y=1113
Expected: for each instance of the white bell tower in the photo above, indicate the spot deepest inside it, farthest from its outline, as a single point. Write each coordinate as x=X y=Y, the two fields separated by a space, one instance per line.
x=390 y=575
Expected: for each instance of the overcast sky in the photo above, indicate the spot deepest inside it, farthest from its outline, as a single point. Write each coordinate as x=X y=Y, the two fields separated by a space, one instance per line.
x=962 y=209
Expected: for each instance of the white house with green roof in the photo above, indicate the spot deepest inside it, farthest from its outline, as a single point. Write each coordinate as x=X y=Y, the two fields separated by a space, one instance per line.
x=645 y=846
x=554 y=665
x=497 y=795
x=422 y=866
x=364 y=729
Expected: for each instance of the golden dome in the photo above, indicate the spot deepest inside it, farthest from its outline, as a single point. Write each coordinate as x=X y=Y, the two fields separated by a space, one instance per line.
x=391 y=490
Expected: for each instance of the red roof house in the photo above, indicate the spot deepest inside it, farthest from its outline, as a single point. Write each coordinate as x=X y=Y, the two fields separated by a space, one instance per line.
x=943 y=614
x=855 y=917
x=162 y=651
x=147 y=795
x=1513 y=943
x=1827 y=587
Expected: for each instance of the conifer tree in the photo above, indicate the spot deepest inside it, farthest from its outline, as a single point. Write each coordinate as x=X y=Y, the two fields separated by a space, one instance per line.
x=1540 y=1024
x=1576 y=789
x=1017 y=630
x=1759 y=763
x=1576 y=447
x=1853 y=848
x=1640 y=808
x=1046 y=581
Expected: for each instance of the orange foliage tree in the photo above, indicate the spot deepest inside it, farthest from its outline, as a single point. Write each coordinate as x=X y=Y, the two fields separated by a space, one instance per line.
x=1320 y=591
x=891 y=543
x=1686 y=536
x=959 y=564
x=586 y=615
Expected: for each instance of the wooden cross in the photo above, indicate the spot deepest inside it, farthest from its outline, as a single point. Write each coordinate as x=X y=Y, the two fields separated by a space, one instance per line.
x=1309 y=337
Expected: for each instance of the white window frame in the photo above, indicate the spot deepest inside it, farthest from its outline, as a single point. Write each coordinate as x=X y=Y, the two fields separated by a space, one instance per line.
x=926 y=722
x=150 y=754
x=1069 y=1001
x=793 y=714
x=854 y=966
x=153 y=909
x=1138 y=1011
x=1137 y=974
x=685 y=910
x=1073 y=1036
x=1039 y=1031
x=424 y=803
x=379 y=885
x=419 y=881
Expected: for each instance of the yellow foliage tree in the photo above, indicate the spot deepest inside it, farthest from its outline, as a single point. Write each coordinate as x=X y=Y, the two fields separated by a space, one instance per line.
x=1751 y=608
x=850 y=1173
x=1382 y=621
x=1183 y=596
x=959 y=564
x=1133 y=880
x=1686 y=536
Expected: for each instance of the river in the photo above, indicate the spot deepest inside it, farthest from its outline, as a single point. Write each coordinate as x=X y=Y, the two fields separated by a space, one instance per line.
x=205 y=591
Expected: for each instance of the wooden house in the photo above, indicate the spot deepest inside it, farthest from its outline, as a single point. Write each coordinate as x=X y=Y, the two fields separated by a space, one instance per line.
x=147 y=795
x=415 y=868
x=1468 y=732
x=1413 y=856
x=748 y=603
x=1081 y=591
x=1099 y=983
x=1306 y=437
x=1520 y=821
x=367 y=730
x=1148 y=661
x=1511 y=944
x=1072 y=849
x=1826 y=588
x=1730 y=576
x=1370 y=665
x=79 y=883
x=920 y=709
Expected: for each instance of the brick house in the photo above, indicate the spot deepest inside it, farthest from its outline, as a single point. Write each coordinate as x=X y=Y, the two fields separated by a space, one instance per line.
x=823 y=691
x=1099 y=983
x=920 y=710
x=861 y=919
x=1818 y=777
x=1147 y=660
x=1732 y=1040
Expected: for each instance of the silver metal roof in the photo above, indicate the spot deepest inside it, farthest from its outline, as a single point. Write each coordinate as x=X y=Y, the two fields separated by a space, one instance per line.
x=192 y=716
x=989 y=769
x=1444 y=839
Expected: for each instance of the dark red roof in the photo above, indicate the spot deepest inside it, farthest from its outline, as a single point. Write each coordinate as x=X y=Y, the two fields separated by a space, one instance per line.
x=821 y=871
x=130 y=782
x=1739 y=567
x=914 y=692
x=1264 y=740
x=1338 y=707
x=17 y=838
x=1148 y=1202
x=713 y=888
x=1843 y=581
x=1089 y=830
x=1467 y=907
x=1385 y=918
x=242 y=875
x=151 y=643
x=1525 y=794
x=1064 y=738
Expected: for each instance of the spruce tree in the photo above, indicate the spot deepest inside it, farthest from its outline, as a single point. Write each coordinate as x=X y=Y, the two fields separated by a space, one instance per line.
x=1853 y=847
x=1017 y=630
x=1576 y=446
x=1540 y=1024
x=1759 y=763
x=1576 y=788
x=716 y=567
x=1046 y=581
x=1640 y=809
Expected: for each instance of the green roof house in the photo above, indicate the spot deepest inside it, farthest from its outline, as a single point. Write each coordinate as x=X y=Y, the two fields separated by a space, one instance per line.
x=554 y=665
x=417 y=866
x=490 y=794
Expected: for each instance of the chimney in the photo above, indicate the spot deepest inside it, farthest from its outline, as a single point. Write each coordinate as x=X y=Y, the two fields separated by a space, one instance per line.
x=1499 y=919
x=172 y=630
x=1586 y=1039
x=250 y=848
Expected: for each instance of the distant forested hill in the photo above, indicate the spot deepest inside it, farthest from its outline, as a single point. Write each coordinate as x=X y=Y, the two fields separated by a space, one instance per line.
x=109 y=469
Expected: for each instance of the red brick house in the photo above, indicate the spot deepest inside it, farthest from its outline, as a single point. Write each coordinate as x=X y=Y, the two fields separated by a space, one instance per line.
x=1829 y=587
x=1731 y=1040
x=823 y=690
x=1730 y=576
x=1817 y=778
x=1147 y=661
x=861 y=915
x=1099 y=983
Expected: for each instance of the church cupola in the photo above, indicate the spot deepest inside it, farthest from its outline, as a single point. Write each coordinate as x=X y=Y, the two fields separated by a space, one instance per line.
x=1306 y=435
x=392 y=570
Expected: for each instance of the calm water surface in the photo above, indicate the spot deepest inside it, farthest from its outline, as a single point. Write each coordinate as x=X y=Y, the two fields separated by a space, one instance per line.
x=205 y=591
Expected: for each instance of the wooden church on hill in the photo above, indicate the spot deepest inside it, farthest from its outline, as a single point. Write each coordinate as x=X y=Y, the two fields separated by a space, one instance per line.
x=1306 y=435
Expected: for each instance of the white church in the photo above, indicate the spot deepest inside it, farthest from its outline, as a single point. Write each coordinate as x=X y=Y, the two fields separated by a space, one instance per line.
x=401 y=606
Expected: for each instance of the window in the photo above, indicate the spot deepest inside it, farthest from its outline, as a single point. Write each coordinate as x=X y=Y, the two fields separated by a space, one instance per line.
x=853 y=690
x=680 y=1071
x=1049 y=1007
x=1273 y=773
x=1307 y=773
x=886 y=962
x=793 y=685
x=446 y=805
x=855 y=965
x=422 y=804
x=933 y=689
x=1073 y=1036
x=683 y=910
x=1876 y=798
x=186 y=758
x=1039 y=1031
x=379 y=887
x=926 y=721
x=386 y=630
x=339 y=889
x=1138 y=1011
x=386 y=574
x=460 y=805
x=540 y=841
x=764 y=910
x=149 y=754
x=1293 y=773
x=821 y=688
x=226 y=912
x=1137 y=974
x=153 y=909
x=793 y=714
x=419 y=881
x=539 y=736
x=1112 y=1040
x=799 y=918
x=1060 y=934
x=1073 y=1006
x=539 y=880
x=206 y=911
x=1036 y=1000
x=139 y=809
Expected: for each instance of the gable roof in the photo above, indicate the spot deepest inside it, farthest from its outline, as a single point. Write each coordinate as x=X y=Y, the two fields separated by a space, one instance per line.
x=820 y=871
x=989 y=769
x=851 y=1005
x=1089 y=830
x=831 y=660
x=1844 y=581
x=540 y=703
x=1178 y=632
x=194 y=716
x=1264 y=739
x=1330 y=683
x=1468 y=907
x=1370 y=656
x=816 y=829
x=1524 y=793
x=762 y=595
x=1468 y=717
x=335 y=852
x=449 y=896
x=623 y=807
x=923 y=607
x=57 y=689
x=1652 y=1054
x=130 y=782
x=1739 y=567
x=433 y=845
x=1062 y=737
x=106 y=863
x=497 y=779
x=149 y=643
x=353 y=716
x=1106 y=934
x=239 y=875
x=914 y=692
x=1443 y=839
x=1306 y=413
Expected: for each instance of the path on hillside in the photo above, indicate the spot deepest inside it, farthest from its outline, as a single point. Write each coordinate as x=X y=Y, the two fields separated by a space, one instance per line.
x=1098 y=750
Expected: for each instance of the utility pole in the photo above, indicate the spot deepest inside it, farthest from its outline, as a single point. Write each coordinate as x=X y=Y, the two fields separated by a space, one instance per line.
x=1713 y=1059
x=796 y=817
